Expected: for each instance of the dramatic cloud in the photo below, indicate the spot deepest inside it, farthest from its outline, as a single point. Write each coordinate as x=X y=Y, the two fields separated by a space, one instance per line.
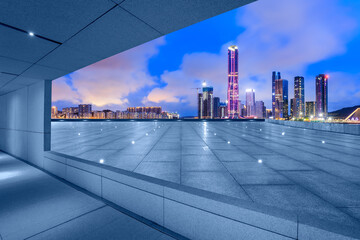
x=284 y=35
x=109 y=81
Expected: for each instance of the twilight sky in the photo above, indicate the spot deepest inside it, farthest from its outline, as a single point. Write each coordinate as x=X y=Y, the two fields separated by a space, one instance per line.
x=295 y=37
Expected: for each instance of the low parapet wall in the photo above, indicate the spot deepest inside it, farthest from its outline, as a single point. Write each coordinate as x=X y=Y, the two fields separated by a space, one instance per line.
x=330 y=127
x=193 y=213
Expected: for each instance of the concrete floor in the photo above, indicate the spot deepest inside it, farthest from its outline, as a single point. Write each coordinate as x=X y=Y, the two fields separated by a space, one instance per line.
x=34 y=205
x=305 y=171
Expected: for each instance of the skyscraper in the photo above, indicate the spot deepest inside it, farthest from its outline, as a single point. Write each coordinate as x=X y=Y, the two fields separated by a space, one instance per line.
x=260 y=109
x=310 y=109
x=233 y=82
x=208 y=102
x=216 y=111
x=275 y=76
x=299 y=97
x=200 y=105
x=223 y=110
x=321 y=105
x=250 y=102
x=292 y=107
x=281 y=99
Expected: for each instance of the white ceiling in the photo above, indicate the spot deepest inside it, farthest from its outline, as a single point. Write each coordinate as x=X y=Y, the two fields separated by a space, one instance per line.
x=71 y=34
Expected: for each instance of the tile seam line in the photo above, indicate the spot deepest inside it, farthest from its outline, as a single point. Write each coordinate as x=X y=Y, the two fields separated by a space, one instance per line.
x=103 y=200
x=171 y=199
x=52 y=50
x=302 y=186
x=318 y=169
x=26 y=32
x=158 y=140
x=247 y=194
x=235 y=220
x=53 y=227
x=147 y=24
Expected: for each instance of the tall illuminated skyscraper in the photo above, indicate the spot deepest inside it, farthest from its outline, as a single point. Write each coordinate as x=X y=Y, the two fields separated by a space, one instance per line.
x=275 y=76
x=299 y=97
x=250 y=102
x=321 y=105
x=281 y=99
x=233 y=83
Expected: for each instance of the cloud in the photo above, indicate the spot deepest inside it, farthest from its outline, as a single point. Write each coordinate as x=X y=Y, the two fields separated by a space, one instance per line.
x=111 y=80
x=284 y=35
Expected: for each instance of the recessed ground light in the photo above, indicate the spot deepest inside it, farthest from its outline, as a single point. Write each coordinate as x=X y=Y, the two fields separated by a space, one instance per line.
x=228 y=142
x=146 y=134
x=79 y=134
x=323 y=142
x=259 y=161
x=101 y=161
x=283 y=133
x=215 y=134
x=115 y=126
x=132 y=142
x=100 y=129
x=31 y=34
x=260 y=129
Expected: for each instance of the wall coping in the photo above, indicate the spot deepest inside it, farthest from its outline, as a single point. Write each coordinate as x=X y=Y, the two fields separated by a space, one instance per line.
x=267 y=218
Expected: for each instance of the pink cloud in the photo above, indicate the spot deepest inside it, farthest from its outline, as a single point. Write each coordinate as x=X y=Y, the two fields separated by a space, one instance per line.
x=111 y=80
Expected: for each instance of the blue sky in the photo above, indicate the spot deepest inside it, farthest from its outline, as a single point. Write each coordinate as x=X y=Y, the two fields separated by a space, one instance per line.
x=295 y=37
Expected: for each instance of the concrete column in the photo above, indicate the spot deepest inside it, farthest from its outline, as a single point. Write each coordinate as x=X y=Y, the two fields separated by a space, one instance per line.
x=25 y=122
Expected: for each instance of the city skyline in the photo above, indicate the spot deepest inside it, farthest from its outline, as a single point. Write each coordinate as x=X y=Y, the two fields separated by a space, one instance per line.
x=163 y=71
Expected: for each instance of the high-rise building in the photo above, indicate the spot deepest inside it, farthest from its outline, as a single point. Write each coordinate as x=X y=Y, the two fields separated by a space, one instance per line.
x=299 y=97
x=268 y=113
x=233 y=82
x=292 y=106
x=281 y=99
x=54 y=112
x=250 y=102
x=200 y=105
x=321 y=105
x=260 y=109
x=216 y=110
x=223 y=110
x=275 y=76
x=208 y=103
x=84 y=110
x=310 y=109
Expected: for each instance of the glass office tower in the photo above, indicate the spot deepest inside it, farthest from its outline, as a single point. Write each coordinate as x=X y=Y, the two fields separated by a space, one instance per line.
x=233 y=82
x=321 y=104
x=299 y=97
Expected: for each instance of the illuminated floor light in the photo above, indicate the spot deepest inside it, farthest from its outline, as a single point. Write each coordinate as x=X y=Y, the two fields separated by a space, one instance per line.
x=146 y=134
x=260 y=129
x=31 y=34
x=215 y=134
x=132 y=142
x=228 y=142
x=79 y=134
x=322 y=142
x=101 y=161
x=283 y=133
x=259 y=161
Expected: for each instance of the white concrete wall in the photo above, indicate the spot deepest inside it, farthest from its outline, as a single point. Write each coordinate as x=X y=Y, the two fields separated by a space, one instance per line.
x=25 y=122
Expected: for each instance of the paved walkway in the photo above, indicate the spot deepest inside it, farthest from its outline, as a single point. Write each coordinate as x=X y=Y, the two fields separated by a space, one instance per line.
x=34 y=205
x=305 y=171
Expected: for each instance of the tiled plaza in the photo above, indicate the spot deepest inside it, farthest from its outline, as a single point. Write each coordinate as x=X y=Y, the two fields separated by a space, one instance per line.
x=306 y=171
